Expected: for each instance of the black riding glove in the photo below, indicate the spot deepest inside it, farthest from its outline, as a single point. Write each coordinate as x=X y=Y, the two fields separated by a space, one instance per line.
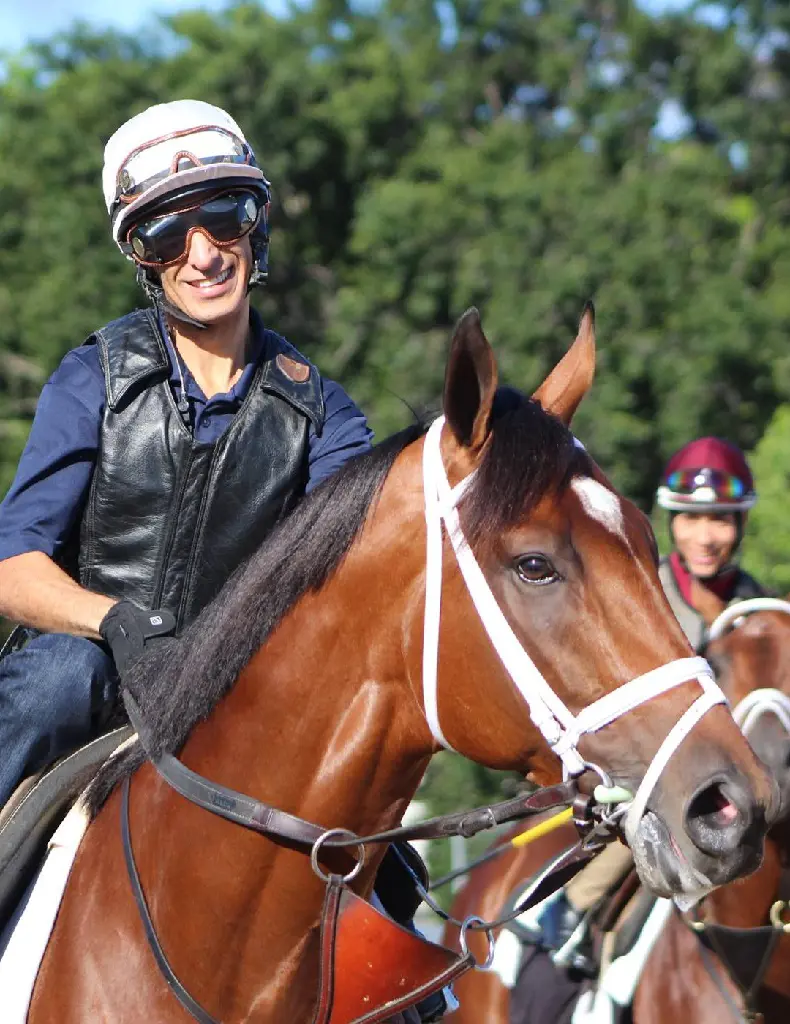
x=126 y=628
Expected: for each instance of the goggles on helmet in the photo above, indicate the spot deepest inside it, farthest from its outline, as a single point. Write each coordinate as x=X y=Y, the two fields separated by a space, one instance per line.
x=723 y=485
x=136 y=175
x=705 y=488
x=163 y=240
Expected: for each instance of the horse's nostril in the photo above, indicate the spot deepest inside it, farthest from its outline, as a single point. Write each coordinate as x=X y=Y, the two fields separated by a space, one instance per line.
x=713 y=808
x=720 y=815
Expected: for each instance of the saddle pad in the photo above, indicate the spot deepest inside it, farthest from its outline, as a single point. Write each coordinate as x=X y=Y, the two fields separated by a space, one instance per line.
x=618 y=983
x=25 y=939
x=33 y=812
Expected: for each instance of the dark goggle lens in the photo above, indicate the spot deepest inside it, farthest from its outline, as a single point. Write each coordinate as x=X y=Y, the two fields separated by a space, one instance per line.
x=725 y=486
x=226 y=219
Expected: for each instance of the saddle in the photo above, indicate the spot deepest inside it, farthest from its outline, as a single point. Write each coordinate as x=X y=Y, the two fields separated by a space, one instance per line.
x=37 y=807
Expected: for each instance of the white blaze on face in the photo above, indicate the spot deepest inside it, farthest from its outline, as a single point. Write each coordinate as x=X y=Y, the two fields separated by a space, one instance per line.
x=600 y=503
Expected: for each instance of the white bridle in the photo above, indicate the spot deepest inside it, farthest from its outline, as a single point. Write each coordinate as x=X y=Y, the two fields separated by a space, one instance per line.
x=766 y=700
x=561 y=729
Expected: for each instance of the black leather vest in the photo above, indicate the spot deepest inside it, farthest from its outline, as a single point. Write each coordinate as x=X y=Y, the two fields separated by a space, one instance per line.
x=168 y=519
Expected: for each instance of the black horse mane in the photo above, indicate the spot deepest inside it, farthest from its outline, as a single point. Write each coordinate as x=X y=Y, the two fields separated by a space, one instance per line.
x=179 y=680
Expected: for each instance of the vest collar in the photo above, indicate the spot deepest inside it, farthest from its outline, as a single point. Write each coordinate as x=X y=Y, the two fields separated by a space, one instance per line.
x=143 y=354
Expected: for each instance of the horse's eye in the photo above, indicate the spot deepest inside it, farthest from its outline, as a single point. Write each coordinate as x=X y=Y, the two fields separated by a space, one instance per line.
x=536 y=569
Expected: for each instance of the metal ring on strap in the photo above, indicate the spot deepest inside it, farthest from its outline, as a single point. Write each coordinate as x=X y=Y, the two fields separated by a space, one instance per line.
x=466 y=924
x=316 y=849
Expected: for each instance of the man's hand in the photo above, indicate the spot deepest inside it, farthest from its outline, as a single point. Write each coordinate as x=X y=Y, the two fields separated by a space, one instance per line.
x=126 y=628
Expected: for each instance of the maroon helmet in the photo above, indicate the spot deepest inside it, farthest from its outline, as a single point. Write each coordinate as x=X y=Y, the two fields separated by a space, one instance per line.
x=707 y=475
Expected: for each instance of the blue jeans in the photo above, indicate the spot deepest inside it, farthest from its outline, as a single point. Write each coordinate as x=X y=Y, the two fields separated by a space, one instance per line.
x=51 y=693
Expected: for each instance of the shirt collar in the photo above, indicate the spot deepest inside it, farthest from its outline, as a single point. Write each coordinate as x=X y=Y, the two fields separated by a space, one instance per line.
x=238 y=392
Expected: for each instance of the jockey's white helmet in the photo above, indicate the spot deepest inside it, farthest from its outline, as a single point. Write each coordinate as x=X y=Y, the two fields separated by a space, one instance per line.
x=171 y=147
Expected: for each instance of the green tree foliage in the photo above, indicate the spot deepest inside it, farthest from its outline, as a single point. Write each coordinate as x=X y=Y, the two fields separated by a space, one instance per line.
x=767 y=547
x=427 y=156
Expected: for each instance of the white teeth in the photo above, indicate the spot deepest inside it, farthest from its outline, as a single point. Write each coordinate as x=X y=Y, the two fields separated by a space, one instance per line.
x=219 y=279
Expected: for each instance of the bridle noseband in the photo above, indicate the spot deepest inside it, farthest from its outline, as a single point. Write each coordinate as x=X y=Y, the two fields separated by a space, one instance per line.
x=561 y=729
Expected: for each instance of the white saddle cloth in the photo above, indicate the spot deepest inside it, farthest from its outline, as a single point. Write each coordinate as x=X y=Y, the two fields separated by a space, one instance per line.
x=617 y=985
x=25 y=938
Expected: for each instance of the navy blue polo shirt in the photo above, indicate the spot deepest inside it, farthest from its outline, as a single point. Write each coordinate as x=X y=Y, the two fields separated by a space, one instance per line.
x=54 y=473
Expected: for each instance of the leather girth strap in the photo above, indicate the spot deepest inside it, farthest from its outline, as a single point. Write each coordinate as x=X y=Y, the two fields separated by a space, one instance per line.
x=373 y=968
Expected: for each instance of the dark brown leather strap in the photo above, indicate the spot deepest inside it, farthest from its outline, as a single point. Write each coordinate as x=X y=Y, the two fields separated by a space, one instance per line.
x=326 y=968
x=182 y=995
x=615 y=903
x=276 y=824
x=556 y=874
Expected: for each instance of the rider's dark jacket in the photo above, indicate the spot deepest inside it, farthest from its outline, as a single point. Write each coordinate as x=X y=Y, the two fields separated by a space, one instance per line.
x=743 y=588
x=169 y=518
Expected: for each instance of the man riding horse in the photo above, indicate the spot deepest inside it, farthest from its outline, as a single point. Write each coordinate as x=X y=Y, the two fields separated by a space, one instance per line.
x=708 y=489
x=165 y=447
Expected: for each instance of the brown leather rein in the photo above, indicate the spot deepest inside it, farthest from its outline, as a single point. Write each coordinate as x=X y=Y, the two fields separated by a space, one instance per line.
x=323 y=844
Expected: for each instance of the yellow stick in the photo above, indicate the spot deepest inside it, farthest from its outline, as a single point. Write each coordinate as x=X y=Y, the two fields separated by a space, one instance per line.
x=543 y=829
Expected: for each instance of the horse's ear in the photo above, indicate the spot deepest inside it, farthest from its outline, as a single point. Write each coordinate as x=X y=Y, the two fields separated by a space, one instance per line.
x=570 y=380
x=470 y=382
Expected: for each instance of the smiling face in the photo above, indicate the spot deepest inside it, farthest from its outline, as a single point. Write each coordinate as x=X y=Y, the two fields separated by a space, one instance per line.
x=705 y=540
x=210 y=283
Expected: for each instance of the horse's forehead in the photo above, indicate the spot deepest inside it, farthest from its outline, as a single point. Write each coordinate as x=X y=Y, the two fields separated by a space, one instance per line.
x=600 y=504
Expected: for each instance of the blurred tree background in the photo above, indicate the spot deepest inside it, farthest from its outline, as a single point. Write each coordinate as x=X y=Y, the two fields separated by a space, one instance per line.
x=521 y=155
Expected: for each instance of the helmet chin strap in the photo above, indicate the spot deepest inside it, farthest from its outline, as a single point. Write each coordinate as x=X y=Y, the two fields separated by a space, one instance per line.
x=155 y=294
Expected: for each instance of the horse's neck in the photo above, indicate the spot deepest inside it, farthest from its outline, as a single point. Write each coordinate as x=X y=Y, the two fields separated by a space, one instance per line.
x=322 y=723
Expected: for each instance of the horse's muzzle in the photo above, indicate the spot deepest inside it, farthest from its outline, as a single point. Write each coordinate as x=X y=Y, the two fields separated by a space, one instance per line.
x=721 y=839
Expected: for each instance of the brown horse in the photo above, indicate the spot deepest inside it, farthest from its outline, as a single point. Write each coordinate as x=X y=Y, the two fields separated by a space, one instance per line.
x=302 y=686
x=756 y=652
